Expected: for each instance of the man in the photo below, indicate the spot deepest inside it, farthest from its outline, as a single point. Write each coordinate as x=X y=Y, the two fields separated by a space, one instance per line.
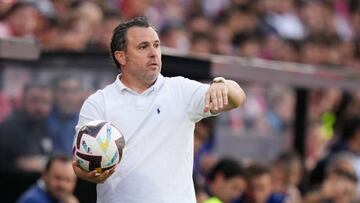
x=259 y=188
x=226 y=182
x=13 y=23
x=24 y=140
x=64 y=115
x=340 y=181
x=349 y=141
x=156 y=115
x=56 y=184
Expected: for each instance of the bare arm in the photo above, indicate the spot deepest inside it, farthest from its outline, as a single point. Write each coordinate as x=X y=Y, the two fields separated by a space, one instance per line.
x=224 y=96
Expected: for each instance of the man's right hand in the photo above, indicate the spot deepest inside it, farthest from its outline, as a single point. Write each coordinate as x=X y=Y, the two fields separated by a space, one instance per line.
x=92 y=176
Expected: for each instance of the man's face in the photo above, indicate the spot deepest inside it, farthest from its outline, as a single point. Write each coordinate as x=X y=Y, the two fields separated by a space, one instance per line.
x=68 y=96
x=23 y=27
x=260 y=187
x=60 y=180
x=38 y=102
x=143 y=55
x=232 y=188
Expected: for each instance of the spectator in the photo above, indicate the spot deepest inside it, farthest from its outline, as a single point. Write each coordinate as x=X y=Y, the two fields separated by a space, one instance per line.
x=103 y=37
x=280 y=113
x=248 y=45
x=174 y=35
x=199 y=23
x=204 y=141
x=226 y=181
x=49 y=34
x=56 y=184
x=24 y=139
x=62 y=9
x=259 y=188
x=316 y=144
x=201 y=43
x=349 y=141
x=286 y=173
x=132 y=8
x=80 y=27
x=13 y=24
x=283 y=17
x=242 y=21
x=272 y=46
x=222 y=39
x=314 y=50
x=64 y=115
x=289 y=51
x=339 y=184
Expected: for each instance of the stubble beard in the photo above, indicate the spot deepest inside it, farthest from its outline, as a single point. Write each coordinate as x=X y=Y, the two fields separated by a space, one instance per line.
x=143 y=76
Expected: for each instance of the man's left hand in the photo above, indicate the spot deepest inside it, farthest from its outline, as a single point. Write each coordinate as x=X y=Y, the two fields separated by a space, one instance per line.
x=216 y=98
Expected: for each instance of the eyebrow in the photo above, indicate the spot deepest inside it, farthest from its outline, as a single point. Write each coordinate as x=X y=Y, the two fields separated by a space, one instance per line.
x=145 y=42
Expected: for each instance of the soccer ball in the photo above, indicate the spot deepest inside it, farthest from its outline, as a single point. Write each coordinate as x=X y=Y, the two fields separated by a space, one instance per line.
x=98 y=145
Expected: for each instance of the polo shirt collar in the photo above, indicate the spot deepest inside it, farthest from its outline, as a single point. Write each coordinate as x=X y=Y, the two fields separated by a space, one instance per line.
x=156 y=86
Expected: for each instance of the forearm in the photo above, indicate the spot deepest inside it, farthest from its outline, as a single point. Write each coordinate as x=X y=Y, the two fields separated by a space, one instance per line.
x=223 y=96
x=236 y=95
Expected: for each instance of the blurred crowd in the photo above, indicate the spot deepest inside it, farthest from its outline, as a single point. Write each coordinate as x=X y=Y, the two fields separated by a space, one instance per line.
x=320 y=32
x=42 y=125
x=288 y=177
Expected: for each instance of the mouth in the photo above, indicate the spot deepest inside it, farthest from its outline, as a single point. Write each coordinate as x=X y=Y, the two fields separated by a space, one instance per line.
x=153 y=65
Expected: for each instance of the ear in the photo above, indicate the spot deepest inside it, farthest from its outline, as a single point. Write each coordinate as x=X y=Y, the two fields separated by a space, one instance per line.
x=120 y=57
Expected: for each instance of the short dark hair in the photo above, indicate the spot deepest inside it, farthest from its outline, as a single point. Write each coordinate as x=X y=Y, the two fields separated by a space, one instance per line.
x=57 y=157
x=257 y=170
x=59 y=79
x=350 y=126
x=228 y=167
x=35 y=84
x=119 y=38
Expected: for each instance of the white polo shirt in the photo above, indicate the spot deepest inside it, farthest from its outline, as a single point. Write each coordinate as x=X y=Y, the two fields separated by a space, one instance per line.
x=158 y=126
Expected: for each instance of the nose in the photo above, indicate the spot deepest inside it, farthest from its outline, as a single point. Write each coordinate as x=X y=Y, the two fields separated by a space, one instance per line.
x=153 y=52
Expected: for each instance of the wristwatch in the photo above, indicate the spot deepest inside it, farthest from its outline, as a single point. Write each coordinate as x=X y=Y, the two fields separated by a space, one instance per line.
x=218 y=80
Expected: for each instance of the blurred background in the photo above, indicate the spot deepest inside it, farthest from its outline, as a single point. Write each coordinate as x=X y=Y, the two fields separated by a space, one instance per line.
x=302 y=135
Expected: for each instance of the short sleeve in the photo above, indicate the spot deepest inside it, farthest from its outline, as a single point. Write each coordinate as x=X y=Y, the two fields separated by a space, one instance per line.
x=92 y=109
x=194 y=95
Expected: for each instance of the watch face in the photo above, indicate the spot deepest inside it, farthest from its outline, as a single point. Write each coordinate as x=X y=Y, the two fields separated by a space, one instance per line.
x=219 y=79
